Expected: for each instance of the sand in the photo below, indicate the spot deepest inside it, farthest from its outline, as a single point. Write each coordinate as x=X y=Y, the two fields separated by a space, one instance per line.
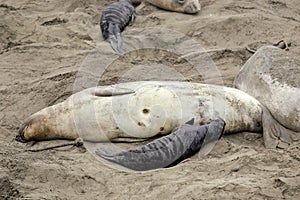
x=42 y=47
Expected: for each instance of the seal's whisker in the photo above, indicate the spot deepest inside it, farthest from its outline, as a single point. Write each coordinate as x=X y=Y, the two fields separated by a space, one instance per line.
x=78 y=142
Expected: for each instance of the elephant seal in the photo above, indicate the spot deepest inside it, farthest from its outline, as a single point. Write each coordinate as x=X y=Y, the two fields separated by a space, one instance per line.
x=183 y=6
x=184 y=142
x=144 y=109
x=114 y=20
x=272 y=76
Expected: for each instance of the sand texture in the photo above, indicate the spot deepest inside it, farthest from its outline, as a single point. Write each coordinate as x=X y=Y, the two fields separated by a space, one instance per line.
x=43 y=45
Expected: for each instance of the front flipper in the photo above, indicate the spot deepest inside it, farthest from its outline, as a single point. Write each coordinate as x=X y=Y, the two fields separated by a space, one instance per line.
x=167 y=151
x=214 y=133
x=159 y=153
x=276 y=135
x=190 y=122
x=107 y=91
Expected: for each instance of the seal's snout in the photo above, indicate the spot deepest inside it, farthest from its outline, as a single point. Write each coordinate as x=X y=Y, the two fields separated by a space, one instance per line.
x=192 y=7
x=31 y=129
x=20 y=136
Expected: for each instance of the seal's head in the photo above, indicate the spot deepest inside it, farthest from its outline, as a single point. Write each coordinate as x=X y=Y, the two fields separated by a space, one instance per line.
x=190 y=6
x=31 y=130
x=183 y=6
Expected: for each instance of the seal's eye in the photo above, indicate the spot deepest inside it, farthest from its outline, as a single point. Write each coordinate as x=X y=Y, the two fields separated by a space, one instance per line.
x=181 y=1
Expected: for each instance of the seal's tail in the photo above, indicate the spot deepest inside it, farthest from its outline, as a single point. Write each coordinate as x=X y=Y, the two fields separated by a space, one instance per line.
x=276 y=135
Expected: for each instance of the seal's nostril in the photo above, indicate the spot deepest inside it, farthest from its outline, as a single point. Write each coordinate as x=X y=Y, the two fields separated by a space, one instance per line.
x=19 y=138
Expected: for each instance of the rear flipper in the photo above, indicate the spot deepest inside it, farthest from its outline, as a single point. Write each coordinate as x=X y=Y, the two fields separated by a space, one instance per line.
x=112 y=33
x=116 y=43
x=276 y=135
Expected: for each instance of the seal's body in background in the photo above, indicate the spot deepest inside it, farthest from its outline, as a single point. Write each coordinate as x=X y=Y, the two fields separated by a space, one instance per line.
x=272 y=76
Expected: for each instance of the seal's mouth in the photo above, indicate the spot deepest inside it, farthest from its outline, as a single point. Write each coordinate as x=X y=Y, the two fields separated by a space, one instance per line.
x=20 y=136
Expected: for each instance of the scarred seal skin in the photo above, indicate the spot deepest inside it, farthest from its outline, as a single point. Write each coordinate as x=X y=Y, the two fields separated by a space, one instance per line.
x=184 y=142
x=144 y=109
x=183 y=6
x=272 y=76
x=114 y=20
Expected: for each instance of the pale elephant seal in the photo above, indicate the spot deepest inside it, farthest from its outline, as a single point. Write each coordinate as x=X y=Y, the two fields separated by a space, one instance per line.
x=272 y=76
x=147 y=108
x=184 y=142
x=183 y=6
x=114 y=20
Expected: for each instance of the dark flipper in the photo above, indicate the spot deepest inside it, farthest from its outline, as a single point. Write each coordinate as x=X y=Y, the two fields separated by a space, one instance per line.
x=114 y=20
x=190 y=122
x=214 y=133
x=166 y=151
x=115 y=39
x=276 y=135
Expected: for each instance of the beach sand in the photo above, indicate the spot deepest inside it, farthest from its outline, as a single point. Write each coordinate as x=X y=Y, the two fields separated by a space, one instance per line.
x=42 y=47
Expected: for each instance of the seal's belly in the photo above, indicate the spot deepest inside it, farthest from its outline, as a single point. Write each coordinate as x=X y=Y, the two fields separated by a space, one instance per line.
x=159 y=107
